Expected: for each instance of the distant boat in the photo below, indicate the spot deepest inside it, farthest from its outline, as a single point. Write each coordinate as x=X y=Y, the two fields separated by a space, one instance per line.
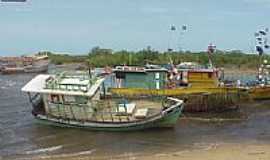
x=261 y=89
x=260 y=92
x=73 y=100
x=24 y=64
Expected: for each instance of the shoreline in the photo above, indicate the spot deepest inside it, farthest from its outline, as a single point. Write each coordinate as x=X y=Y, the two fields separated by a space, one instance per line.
x=240 y=71
x=226 y=69
x=202 y=151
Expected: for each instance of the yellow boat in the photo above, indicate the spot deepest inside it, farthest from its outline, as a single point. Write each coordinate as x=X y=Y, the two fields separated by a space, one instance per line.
x=134 y=81
x=260 y=92
x=201 y=86
x=174 y=91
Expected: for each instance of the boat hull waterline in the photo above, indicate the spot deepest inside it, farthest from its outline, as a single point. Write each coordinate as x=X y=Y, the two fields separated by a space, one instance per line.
x=166 y=118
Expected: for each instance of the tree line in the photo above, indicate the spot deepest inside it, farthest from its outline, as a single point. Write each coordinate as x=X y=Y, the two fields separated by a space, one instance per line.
x=101 y=57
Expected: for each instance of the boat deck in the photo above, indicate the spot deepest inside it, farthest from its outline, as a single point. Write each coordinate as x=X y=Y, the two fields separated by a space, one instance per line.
x=106 y=111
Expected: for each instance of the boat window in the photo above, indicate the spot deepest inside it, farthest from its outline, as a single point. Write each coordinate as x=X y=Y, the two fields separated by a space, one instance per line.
x=54 y=98
x=75 y=99
x=81 y=99
x=209 y=75
x=120 y=75
x=157 y=75
x=69 y=99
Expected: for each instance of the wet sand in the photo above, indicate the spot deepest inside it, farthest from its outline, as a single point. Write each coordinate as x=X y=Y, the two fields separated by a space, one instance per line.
x=214 y=151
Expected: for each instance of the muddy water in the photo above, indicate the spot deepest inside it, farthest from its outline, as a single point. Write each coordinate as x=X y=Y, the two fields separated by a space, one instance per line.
x=21 y=137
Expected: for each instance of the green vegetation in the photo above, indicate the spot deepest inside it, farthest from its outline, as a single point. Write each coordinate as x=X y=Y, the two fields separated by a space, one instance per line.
x=59 y=59
x=100 y=57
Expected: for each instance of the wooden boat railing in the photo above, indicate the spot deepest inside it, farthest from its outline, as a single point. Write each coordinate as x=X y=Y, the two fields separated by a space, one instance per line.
x=98 y=116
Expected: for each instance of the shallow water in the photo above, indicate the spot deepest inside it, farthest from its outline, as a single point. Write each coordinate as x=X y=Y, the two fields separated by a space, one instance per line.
x=20 y=136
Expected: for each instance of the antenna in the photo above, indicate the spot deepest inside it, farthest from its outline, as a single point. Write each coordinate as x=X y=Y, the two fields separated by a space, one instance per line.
x=172 y=31
x=181 y=35
x=174 y=34
x=261 y=45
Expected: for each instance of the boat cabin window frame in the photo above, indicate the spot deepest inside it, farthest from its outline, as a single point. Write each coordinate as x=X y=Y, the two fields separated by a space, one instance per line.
x=69 y=99
x=54 y=98
x=120 y=75
x=210 y=75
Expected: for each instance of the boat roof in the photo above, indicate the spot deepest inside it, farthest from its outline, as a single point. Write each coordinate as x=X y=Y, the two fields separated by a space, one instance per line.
x=200 y=70
x=39 y=85
x=134 y=69
x=74 y=81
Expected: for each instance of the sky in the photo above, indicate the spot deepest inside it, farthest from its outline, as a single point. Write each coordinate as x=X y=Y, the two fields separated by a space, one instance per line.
x=76 y=26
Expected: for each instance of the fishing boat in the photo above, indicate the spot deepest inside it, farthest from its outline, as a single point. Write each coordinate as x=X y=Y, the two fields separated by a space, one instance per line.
x=173 y=80
x=261 y=89
x=130 y=80
x=260 y=93
x=73 y=100
x=24 y=64
x=201 y=84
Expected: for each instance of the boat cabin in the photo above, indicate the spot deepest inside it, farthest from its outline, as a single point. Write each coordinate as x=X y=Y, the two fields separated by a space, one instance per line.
x=161 y=78
x=199 y=78
x=140 y=77
x=63 y=95
x=73 y=100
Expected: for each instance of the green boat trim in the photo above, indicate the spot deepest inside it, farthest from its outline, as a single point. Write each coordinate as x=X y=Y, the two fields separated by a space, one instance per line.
x=74 y=100
x=166 y=118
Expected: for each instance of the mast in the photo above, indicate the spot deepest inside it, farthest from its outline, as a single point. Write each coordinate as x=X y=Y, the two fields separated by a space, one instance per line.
x=174 y=32
x=181 y=36
x=261 y=45
x=210 y=51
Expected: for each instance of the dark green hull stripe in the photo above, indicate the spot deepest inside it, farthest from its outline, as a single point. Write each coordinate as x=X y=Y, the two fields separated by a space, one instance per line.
x=168 y=120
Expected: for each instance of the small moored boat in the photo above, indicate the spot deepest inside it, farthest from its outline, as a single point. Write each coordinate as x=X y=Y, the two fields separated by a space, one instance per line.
x=73 y=100
x=25 y=64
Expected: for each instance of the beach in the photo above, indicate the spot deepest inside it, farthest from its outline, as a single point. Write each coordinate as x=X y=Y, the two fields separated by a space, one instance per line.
x=204 y=152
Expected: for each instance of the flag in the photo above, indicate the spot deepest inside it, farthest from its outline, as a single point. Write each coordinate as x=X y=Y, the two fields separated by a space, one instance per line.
x=262 y=32
x=256 y=34
x=170 y=50
x=259 y=49
x=211 y=48
x=184 y=28
x=173 y=28
x=261 y=40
